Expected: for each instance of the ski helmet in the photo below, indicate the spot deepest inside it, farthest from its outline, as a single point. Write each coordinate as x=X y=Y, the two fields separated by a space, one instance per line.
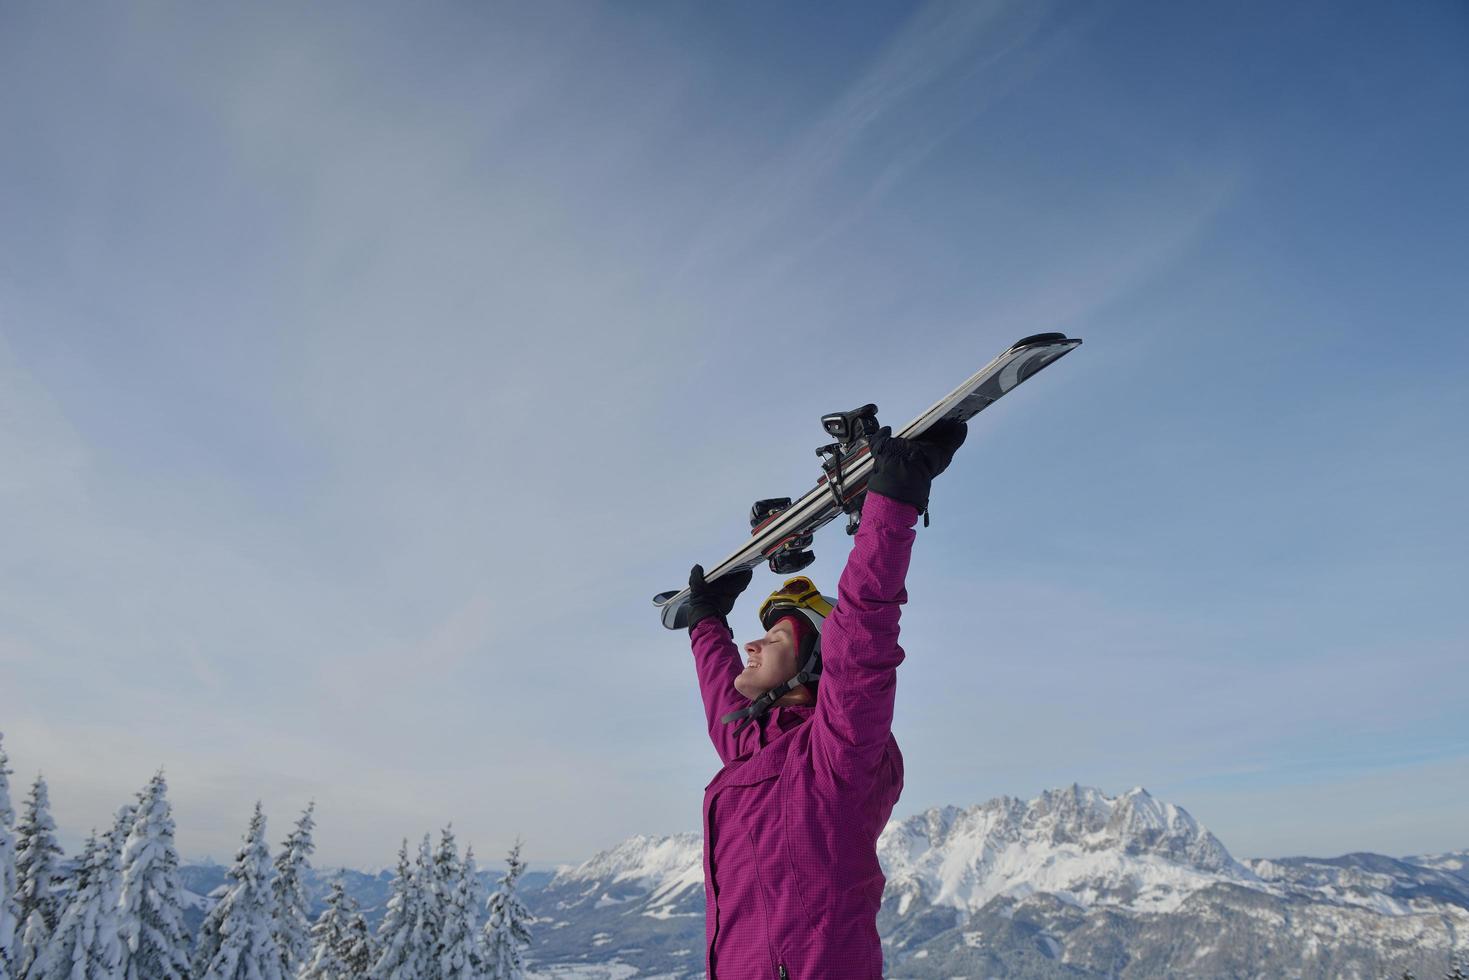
x=796 y=597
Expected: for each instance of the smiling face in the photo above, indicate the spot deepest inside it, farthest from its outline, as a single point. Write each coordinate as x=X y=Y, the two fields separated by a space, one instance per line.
x=771 y=661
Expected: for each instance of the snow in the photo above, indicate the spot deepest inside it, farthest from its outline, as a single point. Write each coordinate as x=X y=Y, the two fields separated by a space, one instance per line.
x=639 y=859
x=1456 y=862
x=1076 y=844
x=665 y=913
x=584 y=971
x=1340 y=884
x=667 y=868
x=155 y=942
x=293 y=921
x=507 y=931
x=10 y=923
x=238 y=937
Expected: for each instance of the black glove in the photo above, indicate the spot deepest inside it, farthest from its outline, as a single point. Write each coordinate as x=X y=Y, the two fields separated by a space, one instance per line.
x=714 y=598
x=903 y=469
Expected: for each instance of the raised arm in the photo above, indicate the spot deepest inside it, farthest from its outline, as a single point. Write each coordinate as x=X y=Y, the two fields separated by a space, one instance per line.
x=859 y=643
x=717 y=659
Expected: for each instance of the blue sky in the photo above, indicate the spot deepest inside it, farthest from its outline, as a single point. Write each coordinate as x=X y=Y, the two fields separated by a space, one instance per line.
x=364 y=371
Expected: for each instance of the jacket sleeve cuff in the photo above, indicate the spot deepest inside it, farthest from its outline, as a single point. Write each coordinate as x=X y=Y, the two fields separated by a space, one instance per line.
x=886 y=510
x=710 y=619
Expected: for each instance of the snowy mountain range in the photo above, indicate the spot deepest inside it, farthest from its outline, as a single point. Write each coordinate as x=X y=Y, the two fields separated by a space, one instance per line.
x=1071 y=884
x=1077 y=844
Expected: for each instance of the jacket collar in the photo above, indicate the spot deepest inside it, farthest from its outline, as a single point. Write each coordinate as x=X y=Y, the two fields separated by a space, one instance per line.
x=788 y=716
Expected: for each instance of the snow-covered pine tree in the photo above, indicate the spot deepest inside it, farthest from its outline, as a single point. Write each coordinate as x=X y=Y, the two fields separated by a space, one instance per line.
x=9 y=911
x=155 y=941
x=46 y=953
x=444 y=874
x=477 y=896
x=360 y=952
x=293 y=919
x=85 y=945
x=460 y=954
x=425 y=935
x=1455 y=973
x=208 y=938
x=478 y=899
x=38 y=872
x=126 y=814
x=31 y=946
x=506 y=932
x=237 y=940
x=329 y=939
x=397 y=958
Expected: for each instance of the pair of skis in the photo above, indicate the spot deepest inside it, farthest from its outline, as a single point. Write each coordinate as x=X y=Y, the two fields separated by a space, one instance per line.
x=781 y=531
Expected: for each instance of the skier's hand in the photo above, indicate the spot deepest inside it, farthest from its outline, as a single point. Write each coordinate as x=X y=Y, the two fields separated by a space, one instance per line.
x=714 y=598
x=903 y=469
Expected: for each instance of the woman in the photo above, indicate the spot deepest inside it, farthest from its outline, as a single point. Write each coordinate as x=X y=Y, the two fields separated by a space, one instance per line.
x=811 y=772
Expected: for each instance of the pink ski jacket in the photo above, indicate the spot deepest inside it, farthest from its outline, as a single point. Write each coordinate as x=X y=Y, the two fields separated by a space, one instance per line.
x=791 y=880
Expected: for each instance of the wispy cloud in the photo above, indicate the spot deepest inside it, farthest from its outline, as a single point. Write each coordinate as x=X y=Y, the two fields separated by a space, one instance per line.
x=931 y=80
x=362 y=376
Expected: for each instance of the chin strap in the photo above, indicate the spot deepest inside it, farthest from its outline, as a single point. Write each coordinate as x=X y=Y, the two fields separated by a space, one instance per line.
x=766 y=701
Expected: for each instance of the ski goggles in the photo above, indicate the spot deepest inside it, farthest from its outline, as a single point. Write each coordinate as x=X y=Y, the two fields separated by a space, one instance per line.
x=798 y=593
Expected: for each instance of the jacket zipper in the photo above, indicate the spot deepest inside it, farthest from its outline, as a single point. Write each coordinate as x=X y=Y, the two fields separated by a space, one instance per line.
x=783 y=974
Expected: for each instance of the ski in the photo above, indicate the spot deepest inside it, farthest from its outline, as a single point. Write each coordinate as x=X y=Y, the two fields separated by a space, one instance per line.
x=781 y=531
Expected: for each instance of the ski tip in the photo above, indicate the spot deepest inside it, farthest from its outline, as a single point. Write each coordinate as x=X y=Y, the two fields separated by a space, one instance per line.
x=1043 y=340
x=674 y=611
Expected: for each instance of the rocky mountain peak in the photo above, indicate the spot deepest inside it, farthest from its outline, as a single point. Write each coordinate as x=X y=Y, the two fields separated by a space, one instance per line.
x=1076 y=842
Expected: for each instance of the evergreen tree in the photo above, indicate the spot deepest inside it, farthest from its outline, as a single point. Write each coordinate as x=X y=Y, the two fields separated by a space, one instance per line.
x=54 y=947
x=445 y=876
x=86 y=945
x=293 y=918
x=461 y=951
x=32 y=944
x=477 y=897
x=9 y=911
x=1456 y=973
x=207 y=940
x=360 y=951
x=237 y=940
x=397 y=957
x=425 y=935
x=330 y=939
x=506 y=932
x=38 y=871
x=155 y=940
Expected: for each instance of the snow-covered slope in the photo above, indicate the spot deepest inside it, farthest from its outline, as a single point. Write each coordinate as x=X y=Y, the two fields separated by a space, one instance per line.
x=1454 y=862
x=660 y=872
x=1382 y=884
